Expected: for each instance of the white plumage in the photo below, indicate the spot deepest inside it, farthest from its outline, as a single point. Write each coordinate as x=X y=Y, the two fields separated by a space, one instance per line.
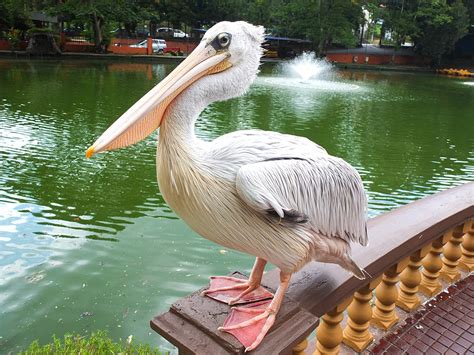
x=225 y=189
x=237 y=189
x=278 y=197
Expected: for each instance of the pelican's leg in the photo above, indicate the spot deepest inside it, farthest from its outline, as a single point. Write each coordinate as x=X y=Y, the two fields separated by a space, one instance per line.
x=228 y=285
x=254 y=323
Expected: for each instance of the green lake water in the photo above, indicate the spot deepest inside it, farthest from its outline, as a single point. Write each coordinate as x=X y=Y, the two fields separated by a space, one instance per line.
x=90 y=244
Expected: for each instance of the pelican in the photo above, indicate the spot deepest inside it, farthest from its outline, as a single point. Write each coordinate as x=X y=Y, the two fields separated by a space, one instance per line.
x=278 y=197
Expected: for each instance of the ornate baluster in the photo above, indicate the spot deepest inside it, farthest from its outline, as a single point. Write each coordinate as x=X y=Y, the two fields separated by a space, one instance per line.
x=410 y=279
x=386 y=295
x=300 y=348
x=451 y=255
x=356 y=334
x=329 y=331
x=432 y=264
x=466 y=262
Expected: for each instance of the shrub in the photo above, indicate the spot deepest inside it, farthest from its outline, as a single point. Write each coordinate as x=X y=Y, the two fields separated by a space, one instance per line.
x=14 y=37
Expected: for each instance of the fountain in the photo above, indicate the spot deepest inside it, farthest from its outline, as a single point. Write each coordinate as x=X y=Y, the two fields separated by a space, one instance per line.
x=306 y=72
x=307 y=67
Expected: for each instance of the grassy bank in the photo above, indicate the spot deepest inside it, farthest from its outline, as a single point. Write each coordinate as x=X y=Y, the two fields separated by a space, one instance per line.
x=96 y=343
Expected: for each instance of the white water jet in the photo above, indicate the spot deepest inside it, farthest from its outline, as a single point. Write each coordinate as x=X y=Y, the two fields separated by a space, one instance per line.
x=306 y=72
x=307 y=66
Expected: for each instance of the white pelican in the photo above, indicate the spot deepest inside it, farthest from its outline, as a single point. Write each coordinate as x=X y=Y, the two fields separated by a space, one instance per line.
x=278 y=197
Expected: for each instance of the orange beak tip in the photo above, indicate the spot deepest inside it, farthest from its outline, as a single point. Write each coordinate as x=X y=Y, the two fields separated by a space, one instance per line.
x=89 y=152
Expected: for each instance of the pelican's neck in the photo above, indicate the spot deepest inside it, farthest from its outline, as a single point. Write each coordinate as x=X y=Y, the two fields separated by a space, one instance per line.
x=177 y=131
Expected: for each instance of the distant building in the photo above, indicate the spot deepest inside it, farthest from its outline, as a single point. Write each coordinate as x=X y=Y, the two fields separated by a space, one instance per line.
x=285 y=47
x=41 y=19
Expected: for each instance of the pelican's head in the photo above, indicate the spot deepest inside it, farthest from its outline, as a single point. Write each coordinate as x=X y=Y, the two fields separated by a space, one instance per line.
x=222 y=66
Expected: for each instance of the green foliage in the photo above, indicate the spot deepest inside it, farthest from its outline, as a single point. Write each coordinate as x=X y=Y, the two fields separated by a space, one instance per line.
x=14 y=14
x=399 y=18
x=14 y=37
x=439 y=26
x=40 y=30
x=433 y=25
x=469 y=4
x=96 y=343
x=340 y=22
x=325 y=22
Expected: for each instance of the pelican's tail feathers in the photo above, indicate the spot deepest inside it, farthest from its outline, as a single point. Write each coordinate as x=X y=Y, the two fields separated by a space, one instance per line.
x=351 y=266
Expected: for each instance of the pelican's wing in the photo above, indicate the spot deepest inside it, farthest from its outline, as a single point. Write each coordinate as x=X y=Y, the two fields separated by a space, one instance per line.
x=324 y=192
x=251 y=146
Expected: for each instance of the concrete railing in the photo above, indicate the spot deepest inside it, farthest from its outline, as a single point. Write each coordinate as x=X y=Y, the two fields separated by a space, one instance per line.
x=436 y=233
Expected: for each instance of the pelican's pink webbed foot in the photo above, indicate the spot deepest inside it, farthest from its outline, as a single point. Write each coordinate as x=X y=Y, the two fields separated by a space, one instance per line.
x=232 y=290
x=250 y=324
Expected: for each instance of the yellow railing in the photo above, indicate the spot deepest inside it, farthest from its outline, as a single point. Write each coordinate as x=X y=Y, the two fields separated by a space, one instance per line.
x=443 y=258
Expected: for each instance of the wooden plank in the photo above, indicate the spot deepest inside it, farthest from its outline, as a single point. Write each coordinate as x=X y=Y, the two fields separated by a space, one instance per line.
x=193 y=321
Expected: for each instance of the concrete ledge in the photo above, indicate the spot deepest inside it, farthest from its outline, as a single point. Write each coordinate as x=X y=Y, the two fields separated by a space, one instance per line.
x=177 y=59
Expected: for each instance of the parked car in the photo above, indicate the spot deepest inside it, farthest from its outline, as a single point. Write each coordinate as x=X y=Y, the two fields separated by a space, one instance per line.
x=168 y=32
x=159 y=45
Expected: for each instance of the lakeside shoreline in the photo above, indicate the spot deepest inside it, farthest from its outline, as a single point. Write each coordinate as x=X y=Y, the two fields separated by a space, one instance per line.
x=176 y=59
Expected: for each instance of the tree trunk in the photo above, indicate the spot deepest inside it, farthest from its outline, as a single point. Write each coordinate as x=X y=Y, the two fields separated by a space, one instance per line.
x=382 y=35
x=97 y=32
x=153 y=27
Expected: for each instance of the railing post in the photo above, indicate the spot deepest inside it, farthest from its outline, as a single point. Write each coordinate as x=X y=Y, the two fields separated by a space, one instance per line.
x=432 y=264
x=410 y=279
x=149 y=46
x=466 y=262
x=329 y=331
x=356 y=334
x=300 y=348
x=386 y=295
x=451 y=255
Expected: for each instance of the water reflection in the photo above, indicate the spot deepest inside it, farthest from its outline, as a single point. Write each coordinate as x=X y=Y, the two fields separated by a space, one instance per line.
x=48 y=190
x=87 y=244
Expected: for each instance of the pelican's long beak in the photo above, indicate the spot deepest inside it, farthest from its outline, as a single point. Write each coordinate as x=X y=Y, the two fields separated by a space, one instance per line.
x=145 y=116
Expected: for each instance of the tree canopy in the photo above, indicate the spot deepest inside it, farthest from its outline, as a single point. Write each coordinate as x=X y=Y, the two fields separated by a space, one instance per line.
x=433 y=26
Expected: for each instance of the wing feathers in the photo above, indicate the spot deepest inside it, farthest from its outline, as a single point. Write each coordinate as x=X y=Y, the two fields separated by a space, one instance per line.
x=325 y=192
x=290 y=216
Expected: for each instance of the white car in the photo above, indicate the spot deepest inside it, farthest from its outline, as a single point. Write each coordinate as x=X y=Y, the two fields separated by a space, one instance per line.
x=159 y=45
x=171 y=32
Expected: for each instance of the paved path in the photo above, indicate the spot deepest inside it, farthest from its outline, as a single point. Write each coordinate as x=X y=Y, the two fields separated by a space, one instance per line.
x=444 y=326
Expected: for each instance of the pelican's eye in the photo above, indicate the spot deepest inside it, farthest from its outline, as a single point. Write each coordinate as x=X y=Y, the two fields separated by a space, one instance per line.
x=222 y=41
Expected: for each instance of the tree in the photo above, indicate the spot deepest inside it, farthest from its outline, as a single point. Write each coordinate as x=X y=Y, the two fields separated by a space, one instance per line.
x=97 y=12
x=400 y=19
x=133 y=12
x=469 y=4
x=104 y=15
x=258 y=11
x=438 y=27
x=325 y=22
x=340 y=21
x=13 y=14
